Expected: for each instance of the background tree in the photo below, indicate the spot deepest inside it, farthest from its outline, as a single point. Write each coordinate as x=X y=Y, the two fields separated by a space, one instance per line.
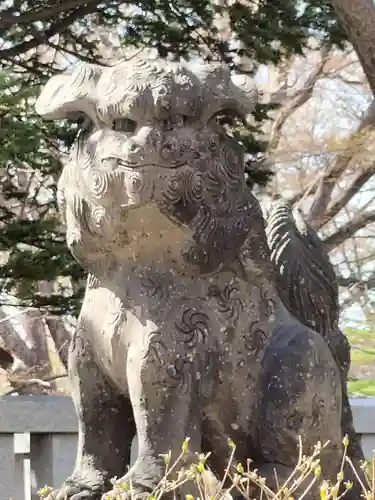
x=297 y=51
x=321 y=148
x=40 y=38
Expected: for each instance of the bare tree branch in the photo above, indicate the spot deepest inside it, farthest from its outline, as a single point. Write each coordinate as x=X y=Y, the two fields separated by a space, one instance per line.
x=60 y=336
x=21 y=384
x=342 y=160
x=367 y=284
x=357 y=183
x=299 y=98
x=358 y=19
x=348 y=230
x=58 y=27
x=8 y=17
x=324 y=185
x=347 y=81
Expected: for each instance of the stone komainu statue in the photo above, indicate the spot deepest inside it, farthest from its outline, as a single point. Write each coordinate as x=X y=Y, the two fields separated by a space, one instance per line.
x=186 y=328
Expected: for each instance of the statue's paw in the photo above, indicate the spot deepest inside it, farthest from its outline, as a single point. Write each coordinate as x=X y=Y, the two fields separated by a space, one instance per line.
x=69 y=493
x=66 y=494
x=75 y=490
x=139 y=482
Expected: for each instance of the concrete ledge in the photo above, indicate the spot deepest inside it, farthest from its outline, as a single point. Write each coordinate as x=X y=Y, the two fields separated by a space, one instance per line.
x=364 y=415
x=56 y=414
x=37 y=414
x=38 y=441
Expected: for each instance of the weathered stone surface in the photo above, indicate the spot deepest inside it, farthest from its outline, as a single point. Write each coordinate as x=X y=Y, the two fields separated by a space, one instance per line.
x=182 y=330
x=307 y=284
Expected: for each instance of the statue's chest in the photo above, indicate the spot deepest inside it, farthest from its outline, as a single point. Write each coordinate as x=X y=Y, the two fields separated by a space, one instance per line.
x=115 y=323
x=226 y=324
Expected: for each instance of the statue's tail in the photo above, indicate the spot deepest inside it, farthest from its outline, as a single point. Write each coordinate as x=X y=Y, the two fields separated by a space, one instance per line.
x=307 y=285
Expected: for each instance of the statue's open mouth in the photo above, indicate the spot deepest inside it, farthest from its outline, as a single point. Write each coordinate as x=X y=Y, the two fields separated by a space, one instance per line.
x=136 y=165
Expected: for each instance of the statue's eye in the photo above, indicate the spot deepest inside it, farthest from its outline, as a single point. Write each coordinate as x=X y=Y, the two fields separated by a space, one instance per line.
x=83 y=123
x=124 y=125
x=84 y=126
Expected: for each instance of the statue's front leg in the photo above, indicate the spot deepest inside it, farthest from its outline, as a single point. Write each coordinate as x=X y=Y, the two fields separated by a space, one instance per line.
x=162 y=385
x=106 y=426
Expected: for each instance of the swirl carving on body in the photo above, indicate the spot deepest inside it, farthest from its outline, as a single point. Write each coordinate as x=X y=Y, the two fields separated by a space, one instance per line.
x=184 y=353
x=228 y=300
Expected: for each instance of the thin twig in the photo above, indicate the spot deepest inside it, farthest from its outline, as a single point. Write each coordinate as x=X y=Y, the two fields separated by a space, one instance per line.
x=43 y=383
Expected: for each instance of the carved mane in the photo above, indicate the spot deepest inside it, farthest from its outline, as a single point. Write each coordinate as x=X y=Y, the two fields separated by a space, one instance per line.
x=305 y=278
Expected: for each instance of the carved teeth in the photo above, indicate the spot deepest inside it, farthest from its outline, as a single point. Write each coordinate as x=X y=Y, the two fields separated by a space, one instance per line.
x=126 y=167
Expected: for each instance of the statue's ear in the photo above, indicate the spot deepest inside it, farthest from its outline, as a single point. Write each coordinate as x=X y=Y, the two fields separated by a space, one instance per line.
x=227 y=92
x=70 y=95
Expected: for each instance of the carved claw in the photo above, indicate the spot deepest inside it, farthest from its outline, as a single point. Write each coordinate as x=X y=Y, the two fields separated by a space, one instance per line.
x=133 y=486
x=71 y=493
x=76 y=490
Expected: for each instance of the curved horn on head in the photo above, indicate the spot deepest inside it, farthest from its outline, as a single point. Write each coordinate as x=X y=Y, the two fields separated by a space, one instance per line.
x=223 y=91
x=69 y=95
x=245 y=93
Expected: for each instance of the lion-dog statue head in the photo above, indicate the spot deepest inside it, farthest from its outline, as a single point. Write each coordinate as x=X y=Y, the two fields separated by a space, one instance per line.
x=149 y=143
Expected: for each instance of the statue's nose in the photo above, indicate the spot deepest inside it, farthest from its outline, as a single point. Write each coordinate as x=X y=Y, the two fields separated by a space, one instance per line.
x=134 y=150
x=169 y=149
x=141 y=145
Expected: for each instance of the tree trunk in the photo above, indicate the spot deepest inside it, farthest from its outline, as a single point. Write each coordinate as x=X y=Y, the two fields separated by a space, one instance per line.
x=358 y=20
x=61 y=337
